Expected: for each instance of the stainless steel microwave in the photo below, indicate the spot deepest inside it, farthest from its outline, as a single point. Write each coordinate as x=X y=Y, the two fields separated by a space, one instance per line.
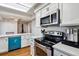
x=52 y=19
x=55 y=17
x=45 y=20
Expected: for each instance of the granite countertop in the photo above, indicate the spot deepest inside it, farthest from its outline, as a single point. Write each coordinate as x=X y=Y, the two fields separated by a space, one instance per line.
x=67 y=49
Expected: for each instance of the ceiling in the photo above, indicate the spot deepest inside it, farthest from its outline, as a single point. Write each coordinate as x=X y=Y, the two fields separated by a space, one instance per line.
x=24 y=11
x=24 y=7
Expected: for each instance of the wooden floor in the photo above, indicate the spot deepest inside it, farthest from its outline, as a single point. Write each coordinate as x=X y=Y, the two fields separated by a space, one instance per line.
x=20 y=52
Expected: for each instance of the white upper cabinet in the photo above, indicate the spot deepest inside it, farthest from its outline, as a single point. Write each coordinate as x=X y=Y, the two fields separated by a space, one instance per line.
x=53 y=7
x=45 y=11
x=70 y=15
x=38 y=14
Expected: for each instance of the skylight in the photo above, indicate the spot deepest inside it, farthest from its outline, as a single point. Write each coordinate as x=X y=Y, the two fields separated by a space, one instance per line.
x=24 y=7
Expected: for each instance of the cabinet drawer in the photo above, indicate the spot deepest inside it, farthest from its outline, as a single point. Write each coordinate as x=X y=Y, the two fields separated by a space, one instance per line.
x=59 y=53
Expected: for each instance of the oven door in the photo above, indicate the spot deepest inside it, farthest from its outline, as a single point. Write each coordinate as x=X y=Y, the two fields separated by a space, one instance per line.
x=49 y=52
x=40 y=50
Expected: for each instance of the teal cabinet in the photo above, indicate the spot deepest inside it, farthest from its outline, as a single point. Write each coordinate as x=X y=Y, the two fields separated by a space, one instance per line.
x=14 y=43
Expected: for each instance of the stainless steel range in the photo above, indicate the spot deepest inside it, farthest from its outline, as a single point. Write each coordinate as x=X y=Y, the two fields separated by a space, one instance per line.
x=50 y=38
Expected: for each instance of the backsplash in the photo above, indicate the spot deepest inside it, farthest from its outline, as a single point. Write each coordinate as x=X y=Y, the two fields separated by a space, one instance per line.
x=54 y=28
x=58 y=28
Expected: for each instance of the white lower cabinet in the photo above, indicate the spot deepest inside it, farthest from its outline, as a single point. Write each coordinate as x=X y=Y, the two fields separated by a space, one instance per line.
x=3 y=45
x=24 y=41
x=59 y=53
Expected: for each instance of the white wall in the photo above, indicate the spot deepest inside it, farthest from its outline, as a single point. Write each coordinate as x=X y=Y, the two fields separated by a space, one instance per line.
x=36 y=31
x=8 y=27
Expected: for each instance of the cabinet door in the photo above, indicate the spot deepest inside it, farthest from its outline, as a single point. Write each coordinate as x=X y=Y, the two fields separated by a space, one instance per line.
x=53 y=6
x=14 y=42
x=58 y=53
x=24 y=41
x=70 y=13
x=45 y=11
x=3 y=45
x=39 y=50
x=38 y=18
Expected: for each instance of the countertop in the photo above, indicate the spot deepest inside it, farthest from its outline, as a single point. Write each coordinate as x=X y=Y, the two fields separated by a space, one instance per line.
x=14 y=34
x=36 y=37
x=67 y=49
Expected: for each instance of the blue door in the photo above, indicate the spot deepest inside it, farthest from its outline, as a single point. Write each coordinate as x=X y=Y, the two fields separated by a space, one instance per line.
x=14 y=43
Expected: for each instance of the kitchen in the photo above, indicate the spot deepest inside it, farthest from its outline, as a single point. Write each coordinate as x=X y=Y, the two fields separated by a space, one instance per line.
x=59 y=23
x=52 y=30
